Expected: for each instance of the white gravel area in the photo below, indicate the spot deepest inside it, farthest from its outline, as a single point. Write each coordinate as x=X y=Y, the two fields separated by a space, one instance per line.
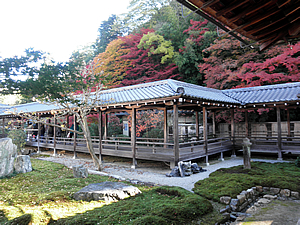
x=123 y=172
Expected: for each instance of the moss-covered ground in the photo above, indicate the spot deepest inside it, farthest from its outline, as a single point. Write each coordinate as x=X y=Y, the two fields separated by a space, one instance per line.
x=232 y=181
x=44 y=196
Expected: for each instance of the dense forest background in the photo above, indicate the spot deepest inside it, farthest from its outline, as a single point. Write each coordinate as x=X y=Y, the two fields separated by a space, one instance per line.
x=161 y=39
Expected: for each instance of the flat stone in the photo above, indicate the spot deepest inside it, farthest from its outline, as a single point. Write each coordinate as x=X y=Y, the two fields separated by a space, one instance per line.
x=252 y=209
x=285 y=192
x=263 y=201
x=295 y=194
x=106 y=191
x=274 y=191
x=266 y=189
x=270 y=197
x=241 y=198
x=225 y=199
x=259 y=188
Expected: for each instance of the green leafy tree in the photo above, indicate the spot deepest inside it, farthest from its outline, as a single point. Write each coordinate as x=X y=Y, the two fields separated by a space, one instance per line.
x=75 y=87
x=109 y=30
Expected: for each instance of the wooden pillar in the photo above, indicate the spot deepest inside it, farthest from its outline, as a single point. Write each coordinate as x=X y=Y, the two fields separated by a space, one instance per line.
x=288 y=122
x=205 y=131
x=175 y=136
x=74 y=137
x=214 y=123
x=246 y=124
x=54 y=137
x=133 y=137
x=105 y=126
x=100 y=135
x=39 y=136
x=197 y=125
x=279 y=133
x=165 y=126
x=232 y=132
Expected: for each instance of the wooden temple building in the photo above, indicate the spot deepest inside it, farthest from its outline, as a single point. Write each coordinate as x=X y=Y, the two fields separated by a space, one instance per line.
x=172 y=96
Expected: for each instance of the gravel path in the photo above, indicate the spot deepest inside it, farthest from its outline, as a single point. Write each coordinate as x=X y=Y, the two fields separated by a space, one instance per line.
x=125 y=172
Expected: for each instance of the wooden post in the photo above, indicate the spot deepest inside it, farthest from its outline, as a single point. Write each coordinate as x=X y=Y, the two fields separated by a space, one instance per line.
x=205 y=135
x=197 y=125
x=246 y=124
x=279 y=133
x=39 y=135
x=100 y=136
x=74 y=137
x=105 y=126
x=165 y=127
x=288 y=122
x=175 y=136
x=232 y=132
x=54 y=137
x=133 y=137
x=214 y=123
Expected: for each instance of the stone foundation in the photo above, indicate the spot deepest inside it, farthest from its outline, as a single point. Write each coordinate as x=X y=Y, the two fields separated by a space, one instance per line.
x=246 y=202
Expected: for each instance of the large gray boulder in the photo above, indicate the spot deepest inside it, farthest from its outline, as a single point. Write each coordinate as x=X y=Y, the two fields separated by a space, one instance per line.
x=22 y=164
x=8 y=153
x=106 y=191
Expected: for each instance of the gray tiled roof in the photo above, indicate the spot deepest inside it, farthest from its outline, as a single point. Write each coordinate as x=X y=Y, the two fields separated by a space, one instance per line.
x=162 y=89
x=29 y=107
x=172 y=88
x=264 y=94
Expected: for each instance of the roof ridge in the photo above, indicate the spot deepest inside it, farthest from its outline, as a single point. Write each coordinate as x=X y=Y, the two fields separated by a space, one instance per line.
x=154 y=83
x=265 y=87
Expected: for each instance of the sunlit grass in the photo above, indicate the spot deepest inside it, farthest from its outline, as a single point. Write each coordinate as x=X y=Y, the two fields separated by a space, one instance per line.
x=44 y=196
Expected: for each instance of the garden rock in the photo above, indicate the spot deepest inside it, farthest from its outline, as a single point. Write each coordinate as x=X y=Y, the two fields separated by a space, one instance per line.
x=174 y=172
x=8 y=153
x=22 y=164
x=185 y=168
x=80 y=172
x=106 y=191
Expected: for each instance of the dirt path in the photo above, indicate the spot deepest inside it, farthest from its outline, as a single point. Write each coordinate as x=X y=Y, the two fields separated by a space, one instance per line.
x=276 y=213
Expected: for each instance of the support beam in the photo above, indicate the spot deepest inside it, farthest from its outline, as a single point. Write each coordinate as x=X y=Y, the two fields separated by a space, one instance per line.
x=232 y=132
x=246 y=124
x=105 y=126
x=197 y=125
x=288 y=122
x=214 y=123
x=39 y=136
x=54 y=137
x=175 y=135
x=205 y=131
x=279 y=133
x=74 y=137
x=133 y=137
x=100 y=136
x=165 y=126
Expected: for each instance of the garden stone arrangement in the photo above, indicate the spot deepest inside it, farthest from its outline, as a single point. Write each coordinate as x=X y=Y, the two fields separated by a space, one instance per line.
x=106 y=191
x=10 y=161
x=185 y=169
x=247 y=202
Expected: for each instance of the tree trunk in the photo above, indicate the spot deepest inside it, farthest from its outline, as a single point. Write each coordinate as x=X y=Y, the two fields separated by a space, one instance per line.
x=89 y=144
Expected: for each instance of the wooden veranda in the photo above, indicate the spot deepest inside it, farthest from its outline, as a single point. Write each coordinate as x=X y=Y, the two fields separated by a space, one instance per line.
x=172 y=96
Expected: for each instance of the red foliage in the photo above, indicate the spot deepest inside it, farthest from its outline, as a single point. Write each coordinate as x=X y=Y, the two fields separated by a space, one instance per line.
x=144 y=68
